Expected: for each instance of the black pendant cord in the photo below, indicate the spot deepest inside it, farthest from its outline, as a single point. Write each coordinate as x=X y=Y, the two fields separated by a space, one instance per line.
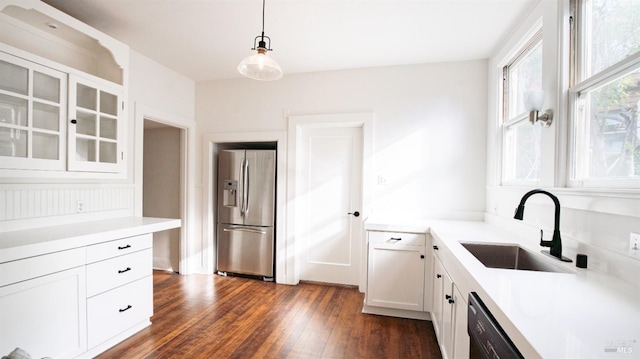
x=261 y=43
x=263 y=4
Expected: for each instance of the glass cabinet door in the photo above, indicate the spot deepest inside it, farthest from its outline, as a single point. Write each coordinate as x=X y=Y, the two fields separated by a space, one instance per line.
x=32 y=106
x=94 y=132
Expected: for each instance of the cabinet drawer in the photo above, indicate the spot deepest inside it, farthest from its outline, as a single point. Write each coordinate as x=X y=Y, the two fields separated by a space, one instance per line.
x=115 y=311
x=105 y=275
x=399 y=238
x=23 y=269
x=118 y=247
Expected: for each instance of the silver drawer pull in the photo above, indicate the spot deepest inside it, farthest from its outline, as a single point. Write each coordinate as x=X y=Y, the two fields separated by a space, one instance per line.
x=125 y=309
x=120 y=271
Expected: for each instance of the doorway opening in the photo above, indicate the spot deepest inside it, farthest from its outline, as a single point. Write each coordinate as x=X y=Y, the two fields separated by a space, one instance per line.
x=163 y=165
x=256 y=140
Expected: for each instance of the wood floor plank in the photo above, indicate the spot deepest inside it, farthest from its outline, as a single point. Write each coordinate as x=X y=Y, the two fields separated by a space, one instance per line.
x=200 y=316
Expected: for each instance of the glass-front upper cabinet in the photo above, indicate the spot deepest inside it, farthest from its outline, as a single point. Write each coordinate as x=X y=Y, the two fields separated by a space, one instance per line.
x=95 y=128
x=32 y=108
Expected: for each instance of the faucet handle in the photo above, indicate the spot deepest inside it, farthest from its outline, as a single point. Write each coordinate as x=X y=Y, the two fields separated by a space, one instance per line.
x=544 y=243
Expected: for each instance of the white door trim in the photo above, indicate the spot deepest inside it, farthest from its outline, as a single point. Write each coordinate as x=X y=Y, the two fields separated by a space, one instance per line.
x=297 y=123
x=187 y=172
x=284 y=273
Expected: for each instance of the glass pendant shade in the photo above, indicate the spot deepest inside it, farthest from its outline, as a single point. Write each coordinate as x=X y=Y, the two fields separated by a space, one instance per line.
x=260 y=67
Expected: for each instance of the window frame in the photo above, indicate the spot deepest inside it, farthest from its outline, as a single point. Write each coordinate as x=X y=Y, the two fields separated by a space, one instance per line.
x=579 y=83
x=534 y=39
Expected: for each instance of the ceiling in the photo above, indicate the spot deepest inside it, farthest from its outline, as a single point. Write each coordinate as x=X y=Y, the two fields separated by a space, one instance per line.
x=206 y=39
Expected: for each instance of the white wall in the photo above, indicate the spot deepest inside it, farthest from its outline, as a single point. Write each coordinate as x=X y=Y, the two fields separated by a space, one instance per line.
x=160 y=87
x=429 y=127
x=593 y=222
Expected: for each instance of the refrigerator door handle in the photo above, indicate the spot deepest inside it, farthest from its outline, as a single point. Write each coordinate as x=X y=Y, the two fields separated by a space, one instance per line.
x=243 y=176
x=244 y=229
x=247 y=185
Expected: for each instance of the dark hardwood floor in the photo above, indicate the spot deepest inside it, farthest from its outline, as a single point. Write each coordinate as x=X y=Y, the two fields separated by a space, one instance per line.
x=200 y=316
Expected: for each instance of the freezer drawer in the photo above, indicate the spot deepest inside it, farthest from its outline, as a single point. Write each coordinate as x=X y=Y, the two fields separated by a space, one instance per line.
x=245 y=250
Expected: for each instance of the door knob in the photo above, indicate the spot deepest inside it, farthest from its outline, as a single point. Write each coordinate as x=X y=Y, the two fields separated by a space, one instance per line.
x=355 y=214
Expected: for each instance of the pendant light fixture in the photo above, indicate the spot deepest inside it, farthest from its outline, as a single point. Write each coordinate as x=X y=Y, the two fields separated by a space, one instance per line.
x=260 y=66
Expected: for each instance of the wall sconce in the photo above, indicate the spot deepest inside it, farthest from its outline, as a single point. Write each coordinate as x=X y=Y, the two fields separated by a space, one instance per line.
x=533 y=103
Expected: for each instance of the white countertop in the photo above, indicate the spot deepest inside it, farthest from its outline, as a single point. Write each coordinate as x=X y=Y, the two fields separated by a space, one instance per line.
x=581 y=314
x=37 y=241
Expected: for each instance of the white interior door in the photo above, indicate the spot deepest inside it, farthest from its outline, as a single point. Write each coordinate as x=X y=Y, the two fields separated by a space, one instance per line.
x=329 y=181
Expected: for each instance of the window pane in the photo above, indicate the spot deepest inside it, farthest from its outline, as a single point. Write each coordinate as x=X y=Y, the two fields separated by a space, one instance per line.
x=108 y=152
x=608 y=119
x=46 y=117
x=86 y=124
x=14 y=78
x=612 y=31
x=13 y=110
x=13 y=143
x=108 y=103
x=522 y=151
x=525 y=75
x=45 y=146
x=108 y=127
x=46 y=87
x=85 y=150
x=87 y=97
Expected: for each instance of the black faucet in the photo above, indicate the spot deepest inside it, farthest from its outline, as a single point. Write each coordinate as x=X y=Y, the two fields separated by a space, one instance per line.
x=555 y=244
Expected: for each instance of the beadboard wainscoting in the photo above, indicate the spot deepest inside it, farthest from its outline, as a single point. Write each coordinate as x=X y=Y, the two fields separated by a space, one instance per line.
x=59 y=204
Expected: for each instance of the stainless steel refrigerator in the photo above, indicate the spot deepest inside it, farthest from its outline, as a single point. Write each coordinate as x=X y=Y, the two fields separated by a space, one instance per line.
x=246 y=212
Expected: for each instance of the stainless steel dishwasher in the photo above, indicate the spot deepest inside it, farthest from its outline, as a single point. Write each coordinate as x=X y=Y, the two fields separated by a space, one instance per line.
x=487 y=338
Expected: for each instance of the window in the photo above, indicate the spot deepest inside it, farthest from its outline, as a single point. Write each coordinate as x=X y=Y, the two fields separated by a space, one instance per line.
x=521 y=152
x=605 y=95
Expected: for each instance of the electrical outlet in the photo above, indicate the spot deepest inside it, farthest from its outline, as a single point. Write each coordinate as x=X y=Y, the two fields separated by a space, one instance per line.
x=634 y=245
x=79 y=206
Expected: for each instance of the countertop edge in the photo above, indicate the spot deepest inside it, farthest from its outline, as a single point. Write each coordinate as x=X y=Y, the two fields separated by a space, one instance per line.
x=27 y=243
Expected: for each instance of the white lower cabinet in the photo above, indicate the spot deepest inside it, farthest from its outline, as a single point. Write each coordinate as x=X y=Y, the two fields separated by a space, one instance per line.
x=119 y=286
x=402 y=280
x=395 y=270
x=46 y=316
x=449 y=314
x=76 y=302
